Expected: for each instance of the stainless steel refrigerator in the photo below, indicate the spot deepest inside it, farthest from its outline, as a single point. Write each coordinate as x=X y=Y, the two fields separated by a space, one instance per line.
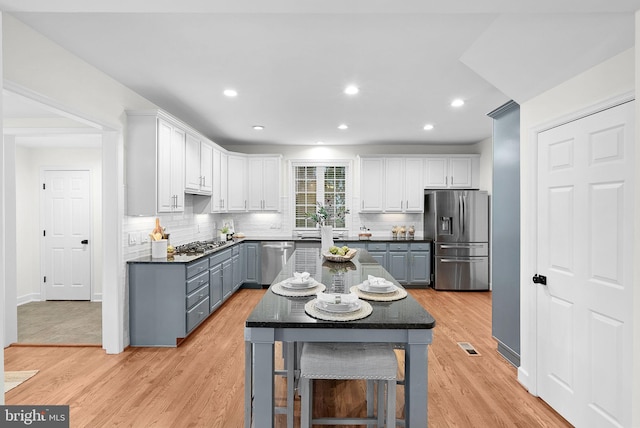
x=458 y=223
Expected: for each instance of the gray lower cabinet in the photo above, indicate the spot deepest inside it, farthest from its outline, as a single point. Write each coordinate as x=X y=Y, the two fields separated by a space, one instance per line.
x=399 y=262
x=223 y=261
x=236 y=267
x=252 y=264
x=420 y=264
x=408 y=262
x=215 y=286
x=166 y=301
x=378 y=251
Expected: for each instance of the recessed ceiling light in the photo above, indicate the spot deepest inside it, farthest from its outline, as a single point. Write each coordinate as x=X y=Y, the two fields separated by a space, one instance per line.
x=343 y=126
x=230 y=92
x=458 y=102
x=351 y=90
x=258 y=127
x=319 y=142
x=428 y=127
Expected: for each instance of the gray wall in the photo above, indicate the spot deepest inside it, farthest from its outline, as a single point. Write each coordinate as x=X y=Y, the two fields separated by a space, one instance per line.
x=505 y=231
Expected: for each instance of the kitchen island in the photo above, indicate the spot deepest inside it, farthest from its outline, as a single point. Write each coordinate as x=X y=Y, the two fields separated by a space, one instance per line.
x=403 y=322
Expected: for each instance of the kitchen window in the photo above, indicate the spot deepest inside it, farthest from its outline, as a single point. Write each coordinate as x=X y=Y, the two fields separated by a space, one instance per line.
x=324 y=183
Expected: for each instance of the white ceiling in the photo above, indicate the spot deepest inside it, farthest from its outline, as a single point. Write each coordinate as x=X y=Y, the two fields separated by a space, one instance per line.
x=290 y=60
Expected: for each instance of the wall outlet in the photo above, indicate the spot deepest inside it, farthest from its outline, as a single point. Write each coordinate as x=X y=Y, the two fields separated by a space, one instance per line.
x=132 y=239
x=144 y=237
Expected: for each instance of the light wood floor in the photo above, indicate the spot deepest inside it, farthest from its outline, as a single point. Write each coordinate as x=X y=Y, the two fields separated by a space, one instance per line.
x=201 y=383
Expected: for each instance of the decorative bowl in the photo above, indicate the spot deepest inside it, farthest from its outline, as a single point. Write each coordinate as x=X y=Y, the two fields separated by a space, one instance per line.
x=340 y=259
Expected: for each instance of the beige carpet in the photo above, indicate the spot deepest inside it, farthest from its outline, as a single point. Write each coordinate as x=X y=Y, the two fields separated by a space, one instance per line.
x=13 y=379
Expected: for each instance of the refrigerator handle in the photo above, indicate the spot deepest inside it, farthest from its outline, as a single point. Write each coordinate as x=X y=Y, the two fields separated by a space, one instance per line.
x=460 y=215
x=464 y=213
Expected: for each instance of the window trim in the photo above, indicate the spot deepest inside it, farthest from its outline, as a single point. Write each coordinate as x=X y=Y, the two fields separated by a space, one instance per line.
x=347 y=163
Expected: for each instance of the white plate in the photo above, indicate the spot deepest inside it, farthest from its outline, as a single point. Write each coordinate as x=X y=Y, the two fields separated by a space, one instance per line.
x=377 y=290
x=338 y=307
x=299 y=281
x=387 y=287
x=287 y=283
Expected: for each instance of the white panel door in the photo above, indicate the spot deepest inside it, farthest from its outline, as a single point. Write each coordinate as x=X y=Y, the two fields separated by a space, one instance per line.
x=67 y=226
x=585 y=229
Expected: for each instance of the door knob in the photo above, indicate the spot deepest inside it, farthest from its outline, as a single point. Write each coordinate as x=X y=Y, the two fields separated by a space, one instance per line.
x=84 y=241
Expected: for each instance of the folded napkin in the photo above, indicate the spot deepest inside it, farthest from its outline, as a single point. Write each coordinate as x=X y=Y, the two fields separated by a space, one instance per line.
x=375 y=281
x=301 y=278
x=336 y=298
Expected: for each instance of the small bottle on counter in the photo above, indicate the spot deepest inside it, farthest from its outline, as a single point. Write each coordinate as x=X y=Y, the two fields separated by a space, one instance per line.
x=394 y=232
x=412 y=232
x=402 y=232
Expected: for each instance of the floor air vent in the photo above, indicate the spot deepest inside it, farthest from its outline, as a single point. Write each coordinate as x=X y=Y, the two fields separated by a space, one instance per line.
x=468 y=348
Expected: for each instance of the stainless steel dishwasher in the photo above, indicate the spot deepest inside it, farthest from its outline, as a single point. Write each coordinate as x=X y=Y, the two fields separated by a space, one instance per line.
x=274 y=255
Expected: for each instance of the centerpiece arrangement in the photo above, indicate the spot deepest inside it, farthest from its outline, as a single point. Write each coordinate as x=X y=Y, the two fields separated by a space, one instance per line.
x=325 y=217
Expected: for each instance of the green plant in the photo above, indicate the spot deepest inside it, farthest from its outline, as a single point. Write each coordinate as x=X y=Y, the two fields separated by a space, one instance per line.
x=224 y=229
x=325 y=214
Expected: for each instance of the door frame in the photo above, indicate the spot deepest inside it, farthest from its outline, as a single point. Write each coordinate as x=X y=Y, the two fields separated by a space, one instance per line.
x=527 y=372
x=43 y=251
x=113 y=266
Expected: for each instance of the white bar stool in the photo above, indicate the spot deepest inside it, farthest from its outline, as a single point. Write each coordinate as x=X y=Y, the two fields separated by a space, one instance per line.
x=369 y=361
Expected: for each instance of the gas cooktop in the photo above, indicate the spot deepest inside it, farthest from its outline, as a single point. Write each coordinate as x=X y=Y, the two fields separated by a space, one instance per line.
x=199 y=247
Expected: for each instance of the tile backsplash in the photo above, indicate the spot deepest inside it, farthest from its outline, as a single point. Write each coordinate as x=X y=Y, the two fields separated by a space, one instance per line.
x=186 y=226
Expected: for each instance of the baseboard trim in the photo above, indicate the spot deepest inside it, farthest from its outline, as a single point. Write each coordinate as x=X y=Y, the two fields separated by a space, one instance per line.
x=509 y=354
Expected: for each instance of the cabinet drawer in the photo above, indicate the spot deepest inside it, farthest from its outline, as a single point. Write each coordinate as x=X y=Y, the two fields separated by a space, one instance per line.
x=197 y=314
x=218 y=258
x=198 y=281
x=235 y=250
x=197 y=267
x=421 y=247
x=376 y=246
x=198 y=295
x=398 y=247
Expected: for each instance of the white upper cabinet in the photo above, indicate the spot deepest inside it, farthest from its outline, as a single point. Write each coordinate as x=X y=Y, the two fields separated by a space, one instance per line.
x=219 y=202
x=403 y=185
x=155 y=164
x=237 y=182
x=452 y=172
x=371 y=184
x=414 y=185
x=264 y=183
x=198 y=166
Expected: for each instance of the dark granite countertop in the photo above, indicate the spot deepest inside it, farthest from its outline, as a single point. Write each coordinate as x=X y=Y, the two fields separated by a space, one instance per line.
x=185 y=258
x=288 y=312
x=350 y=238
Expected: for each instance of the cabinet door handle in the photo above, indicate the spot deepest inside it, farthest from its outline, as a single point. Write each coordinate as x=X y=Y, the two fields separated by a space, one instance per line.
x=363 y=204
x=446 y=180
